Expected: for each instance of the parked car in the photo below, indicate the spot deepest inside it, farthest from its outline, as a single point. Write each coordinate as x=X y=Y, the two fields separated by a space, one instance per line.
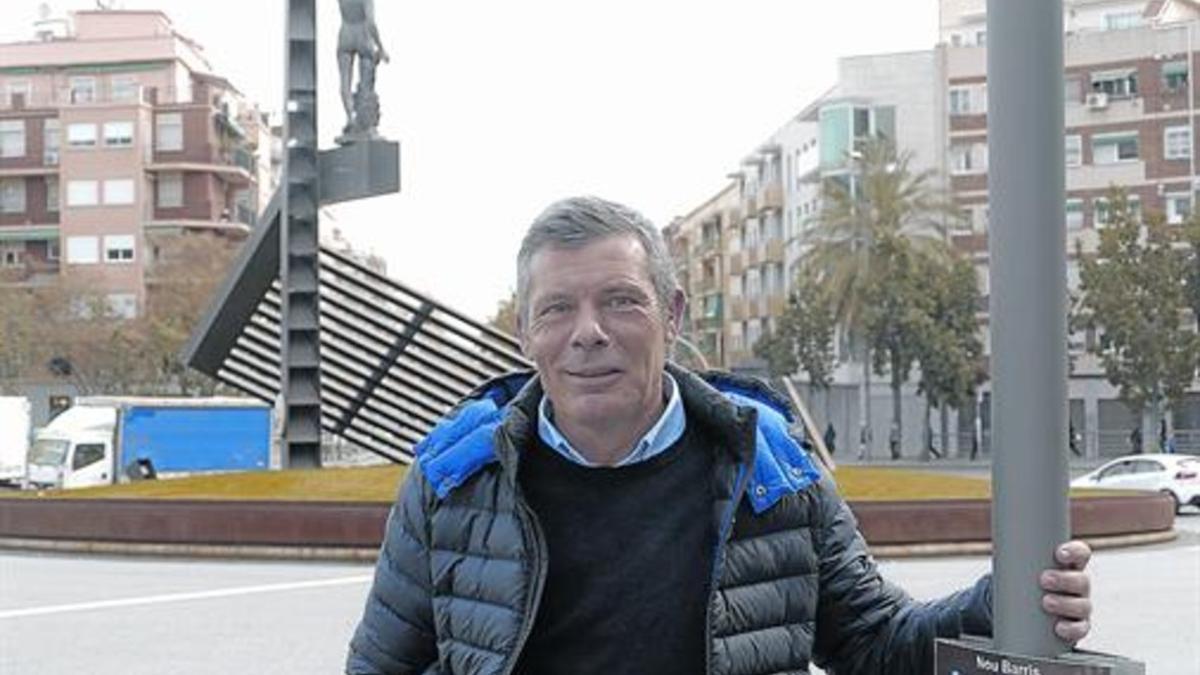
x=1175 y=475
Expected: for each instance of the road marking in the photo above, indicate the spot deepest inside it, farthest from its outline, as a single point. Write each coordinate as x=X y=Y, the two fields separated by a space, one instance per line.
x=182 y=597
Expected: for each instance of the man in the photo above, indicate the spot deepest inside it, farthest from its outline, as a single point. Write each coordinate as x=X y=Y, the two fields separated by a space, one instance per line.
x=358 y=39
x=613 y=513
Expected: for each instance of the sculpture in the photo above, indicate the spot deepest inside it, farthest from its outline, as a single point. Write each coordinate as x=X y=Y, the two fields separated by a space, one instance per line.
x=359 y=39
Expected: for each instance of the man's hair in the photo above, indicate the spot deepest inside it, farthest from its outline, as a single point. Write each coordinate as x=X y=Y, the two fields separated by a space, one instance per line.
x=579 y=221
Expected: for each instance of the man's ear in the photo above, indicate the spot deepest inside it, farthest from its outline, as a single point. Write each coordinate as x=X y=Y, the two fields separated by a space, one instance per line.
x=678 y=303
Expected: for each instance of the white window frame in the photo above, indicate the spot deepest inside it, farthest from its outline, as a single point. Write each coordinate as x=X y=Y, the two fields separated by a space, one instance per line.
x=51 y=141
x=1100 y=205
x=53 y=250
x=123 y=87
x=959 y=101
x=119 y=249
x=79 y=136
x=13 y=135
x=164 y=142
x=119 y=134
x=1122 y=20
x=1177 y=150
x=11 y=255
x=83 y=250
x=1174 y=217
x=12 y=195
x=83 y=193
x=173 y=181
x=1123 y=77
x=1077 y=222
x=1114 y=140
x=53 y=195
x=76 y=89
x=119 y=192
x=1074 y=148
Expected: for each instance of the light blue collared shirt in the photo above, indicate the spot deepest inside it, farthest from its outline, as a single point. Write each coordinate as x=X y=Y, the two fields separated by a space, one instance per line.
x=661 y=436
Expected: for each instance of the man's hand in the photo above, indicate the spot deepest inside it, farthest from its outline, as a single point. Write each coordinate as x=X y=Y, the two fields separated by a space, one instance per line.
x=1068 y=591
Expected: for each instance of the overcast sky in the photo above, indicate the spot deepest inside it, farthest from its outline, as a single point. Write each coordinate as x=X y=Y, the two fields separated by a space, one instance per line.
x=502 y=107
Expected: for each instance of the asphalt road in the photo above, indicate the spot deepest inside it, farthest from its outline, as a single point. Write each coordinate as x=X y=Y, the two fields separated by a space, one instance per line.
x=110 y=616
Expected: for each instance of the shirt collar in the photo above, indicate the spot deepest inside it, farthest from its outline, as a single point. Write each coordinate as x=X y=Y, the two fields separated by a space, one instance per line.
x=662 y=435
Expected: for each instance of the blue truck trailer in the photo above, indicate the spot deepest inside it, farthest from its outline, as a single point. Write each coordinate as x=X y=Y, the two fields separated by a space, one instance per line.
x=103 y=440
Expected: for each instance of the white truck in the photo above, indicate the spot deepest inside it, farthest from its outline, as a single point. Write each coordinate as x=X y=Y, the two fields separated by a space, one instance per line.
x=15 y=431
x=104 y=439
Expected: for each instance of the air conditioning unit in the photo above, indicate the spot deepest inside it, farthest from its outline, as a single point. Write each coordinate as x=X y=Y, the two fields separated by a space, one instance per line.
x=1097 y=101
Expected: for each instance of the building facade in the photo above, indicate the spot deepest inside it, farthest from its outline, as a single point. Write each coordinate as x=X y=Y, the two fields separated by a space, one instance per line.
x=115 y=133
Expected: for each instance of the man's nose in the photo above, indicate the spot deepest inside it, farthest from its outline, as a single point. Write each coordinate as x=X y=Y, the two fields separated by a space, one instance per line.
x=588 y=331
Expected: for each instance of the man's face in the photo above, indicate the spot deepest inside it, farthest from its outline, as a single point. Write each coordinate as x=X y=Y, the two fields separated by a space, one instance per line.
x=597 y=332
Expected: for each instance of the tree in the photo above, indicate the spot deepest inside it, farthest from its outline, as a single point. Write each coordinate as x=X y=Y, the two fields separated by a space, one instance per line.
x=505 y=318
x=1134 y=292
x=950 y=354
x=881 y=200
x=21 y=350
x=803 y=337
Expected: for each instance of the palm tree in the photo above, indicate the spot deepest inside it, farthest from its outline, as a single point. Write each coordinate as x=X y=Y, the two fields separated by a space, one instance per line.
x=881 y=200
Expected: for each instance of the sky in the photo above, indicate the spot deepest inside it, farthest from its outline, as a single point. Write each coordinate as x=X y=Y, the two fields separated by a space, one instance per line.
x=504 y=107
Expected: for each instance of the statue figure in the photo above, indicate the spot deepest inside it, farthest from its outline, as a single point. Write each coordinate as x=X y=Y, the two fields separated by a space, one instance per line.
x=359 y=38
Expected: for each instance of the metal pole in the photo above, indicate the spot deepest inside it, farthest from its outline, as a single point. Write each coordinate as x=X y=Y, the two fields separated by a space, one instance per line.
x=298 y=240
x=1027 y=246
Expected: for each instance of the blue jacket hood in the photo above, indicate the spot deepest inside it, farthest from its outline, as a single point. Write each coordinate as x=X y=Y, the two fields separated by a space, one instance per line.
x=463 y=442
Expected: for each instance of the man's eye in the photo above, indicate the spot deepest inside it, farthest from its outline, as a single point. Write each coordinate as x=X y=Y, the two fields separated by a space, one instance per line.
x=556 y=308
x=622 y=301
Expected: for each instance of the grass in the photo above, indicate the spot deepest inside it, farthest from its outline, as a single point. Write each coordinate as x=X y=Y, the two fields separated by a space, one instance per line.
x=378 y=484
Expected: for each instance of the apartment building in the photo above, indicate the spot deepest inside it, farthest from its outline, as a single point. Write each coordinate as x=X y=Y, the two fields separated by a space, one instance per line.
x=1130 y=100
x=115 y=133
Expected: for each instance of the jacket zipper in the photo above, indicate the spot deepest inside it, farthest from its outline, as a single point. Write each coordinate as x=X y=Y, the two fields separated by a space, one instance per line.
x=740 y=483
x=531 y=527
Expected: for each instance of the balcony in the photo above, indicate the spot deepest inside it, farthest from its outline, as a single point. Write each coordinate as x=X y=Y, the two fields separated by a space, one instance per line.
x=771 y=197
x=775 y=251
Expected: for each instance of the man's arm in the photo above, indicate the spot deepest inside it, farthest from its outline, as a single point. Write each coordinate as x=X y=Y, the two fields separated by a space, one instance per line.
x=396 y=634
x=868 y=625
x=373 y=28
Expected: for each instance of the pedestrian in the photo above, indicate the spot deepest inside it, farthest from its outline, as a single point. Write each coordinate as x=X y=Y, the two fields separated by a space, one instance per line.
x=894 y=440
x=830 y=437
x=1162 y=434
x=1135 y=440
x=613 y=513
x=1073 y=439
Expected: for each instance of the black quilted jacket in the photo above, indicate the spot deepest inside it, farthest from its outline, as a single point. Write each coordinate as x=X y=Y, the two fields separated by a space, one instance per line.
x=463 y=562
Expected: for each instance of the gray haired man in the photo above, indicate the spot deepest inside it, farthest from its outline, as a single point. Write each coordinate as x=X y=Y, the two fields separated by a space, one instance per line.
x=614 y=513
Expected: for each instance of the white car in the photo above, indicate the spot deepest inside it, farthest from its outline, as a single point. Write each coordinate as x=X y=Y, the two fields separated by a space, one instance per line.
x=1175 y=475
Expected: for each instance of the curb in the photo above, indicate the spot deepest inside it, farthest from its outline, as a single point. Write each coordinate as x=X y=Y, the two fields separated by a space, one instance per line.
x=984 y=548
x=368 y=555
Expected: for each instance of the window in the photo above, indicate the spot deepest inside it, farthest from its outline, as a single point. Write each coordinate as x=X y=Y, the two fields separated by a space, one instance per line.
x=968 y=158
x=1122 y=20
x=51 y=141
x=87 y=455
x=12 y=195
x=1177 y=142
x=11 y=255
x=1074 y=153
x=170 y=190
x=118 y=192
x=1074 y=214
x=12 y=138
x=83 y=250
x=1115 y=83
x=1175 y=76
x=981 y=38
x=52 y=194
x=169 y=130
x=81 y=135
x=960 y=101
x=1179 y=208
x=20 y=88
x=52 y=250
x=124 y=88
x=118 y=134
x=1111 y=148
x=122 y=305
x=83 y=193
x=83 y=89
x=956 y=39
x=1102 y=214
x=118 y=248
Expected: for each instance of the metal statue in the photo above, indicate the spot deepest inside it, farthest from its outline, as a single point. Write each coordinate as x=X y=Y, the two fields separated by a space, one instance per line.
x=359 y=39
